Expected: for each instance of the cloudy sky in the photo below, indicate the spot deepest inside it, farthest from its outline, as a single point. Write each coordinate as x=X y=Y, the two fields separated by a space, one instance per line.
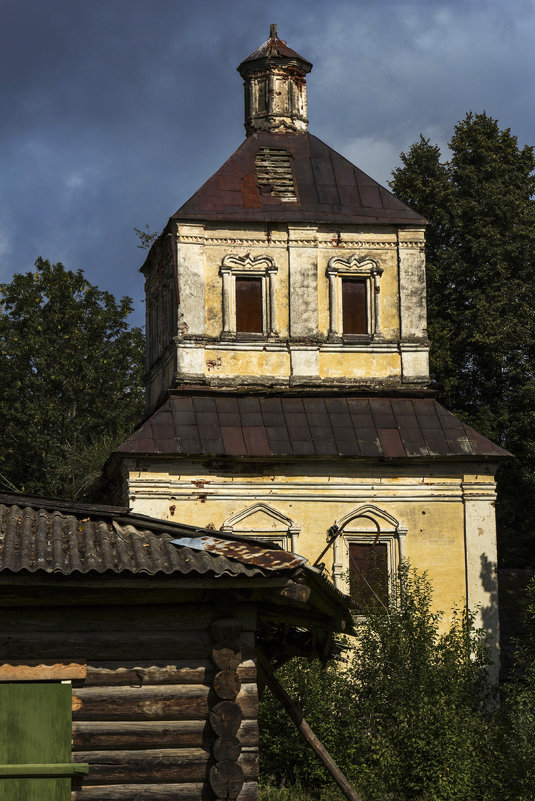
x=113 y=112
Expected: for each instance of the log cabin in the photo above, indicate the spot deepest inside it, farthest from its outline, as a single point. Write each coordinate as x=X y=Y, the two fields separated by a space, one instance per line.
x=128 y=651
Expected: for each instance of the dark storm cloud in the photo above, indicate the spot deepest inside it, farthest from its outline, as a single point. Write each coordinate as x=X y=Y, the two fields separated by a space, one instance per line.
x=113 y=113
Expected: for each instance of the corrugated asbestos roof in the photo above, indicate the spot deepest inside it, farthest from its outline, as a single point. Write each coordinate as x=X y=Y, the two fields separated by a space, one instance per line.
x=329 y=189
x=36 y=539
x=228 y=425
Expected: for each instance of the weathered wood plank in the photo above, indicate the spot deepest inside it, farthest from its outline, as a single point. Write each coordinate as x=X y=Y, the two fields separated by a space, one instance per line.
x=125 y=735
x=226 y=684
x=158 y=792
x=145 y=792
x=227 y=655
x=175 y=765
x=226 y=779
x=226 y=748
x=106 y=644
x=226 y=628
x=33 y=670
x=136 y=673
x=165 y=617
x=226 y=718
x=162 y=702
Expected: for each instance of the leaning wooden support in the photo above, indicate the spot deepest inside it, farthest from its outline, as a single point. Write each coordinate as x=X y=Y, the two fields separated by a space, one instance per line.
x=306 y=732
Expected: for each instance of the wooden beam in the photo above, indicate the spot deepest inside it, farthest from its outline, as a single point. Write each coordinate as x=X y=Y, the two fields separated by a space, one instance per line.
x=44 y=769
x=305 y=731
x=156 y=792
x=39 y=671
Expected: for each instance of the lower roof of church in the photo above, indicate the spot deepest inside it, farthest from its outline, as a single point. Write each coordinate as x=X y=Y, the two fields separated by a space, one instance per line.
x=341 y=425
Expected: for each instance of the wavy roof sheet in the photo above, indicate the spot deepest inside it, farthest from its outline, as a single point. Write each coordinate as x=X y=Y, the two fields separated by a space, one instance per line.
x=35 y=539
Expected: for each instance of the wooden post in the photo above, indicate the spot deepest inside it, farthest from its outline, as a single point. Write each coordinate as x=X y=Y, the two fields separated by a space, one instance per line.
x=305 y=731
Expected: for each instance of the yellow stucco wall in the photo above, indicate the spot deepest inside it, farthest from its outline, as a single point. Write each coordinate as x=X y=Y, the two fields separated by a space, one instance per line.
x=339 y=364
x=230 y=362
x=426 y=500
x=297 y=305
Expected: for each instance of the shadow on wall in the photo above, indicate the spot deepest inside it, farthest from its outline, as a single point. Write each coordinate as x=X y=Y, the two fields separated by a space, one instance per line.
x=489 y=583
x=489 y=619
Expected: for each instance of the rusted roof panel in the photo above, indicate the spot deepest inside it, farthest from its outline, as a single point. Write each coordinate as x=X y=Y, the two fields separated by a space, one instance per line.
x=244 y=552
x=274 y=48
x=34 y=539
x=340 y=425
x=329 y=189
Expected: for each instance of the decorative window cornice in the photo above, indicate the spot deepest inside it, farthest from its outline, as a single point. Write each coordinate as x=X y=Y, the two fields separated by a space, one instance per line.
x=354 y=266
x=368 y=524
x=285 y=532
x=262 y=267
x=256 y=265
x=365 y=269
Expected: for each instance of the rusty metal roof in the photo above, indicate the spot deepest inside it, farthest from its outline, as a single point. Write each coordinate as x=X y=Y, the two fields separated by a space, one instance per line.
x=245 y=552
x=85 y=539
x=274 y=48
x=329 y=189
x=221 y=424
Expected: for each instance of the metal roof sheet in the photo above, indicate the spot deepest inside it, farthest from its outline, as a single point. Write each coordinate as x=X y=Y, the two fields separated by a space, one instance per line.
x=36 y=539
x=274 y=48
x=329 y=188
x=221 y=424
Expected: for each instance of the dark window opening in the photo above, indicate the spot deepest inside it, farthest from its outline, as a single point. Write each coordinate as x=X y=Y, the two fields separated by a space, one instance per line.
x=262 y=103
x=249 y=318
x=368 y=574
x=354 y=311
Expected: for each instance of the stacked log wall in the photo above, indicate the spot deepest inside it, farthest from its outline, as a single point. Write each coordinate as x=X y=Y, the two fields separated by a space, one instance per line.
x=141 y=716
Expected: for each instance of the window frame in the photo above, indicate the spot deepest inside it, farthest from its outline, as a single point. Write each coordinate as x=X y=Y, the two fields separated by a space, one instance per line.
x=245 y=309
x=285 y=533
x=369 y=272
x=363 y=526
x=262 y=267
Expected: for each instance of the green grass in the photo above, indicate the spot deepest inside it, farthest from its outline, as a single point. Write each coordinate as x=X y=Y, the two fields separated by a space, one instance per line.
x=296 y=793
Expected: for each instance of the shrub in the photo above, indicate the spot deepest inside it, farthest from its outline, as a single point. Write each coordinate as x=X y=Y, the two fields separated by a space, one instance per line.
x=410 y=716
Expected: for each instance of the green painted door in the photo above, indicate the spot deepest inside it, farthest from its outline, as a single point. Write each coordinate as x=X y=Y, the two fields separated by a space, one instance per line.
x=35 y=742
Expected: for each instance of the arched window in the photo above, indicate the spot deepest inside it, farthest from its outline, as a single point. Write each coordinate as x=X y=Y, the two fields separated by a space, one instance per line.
x=264 y=522
x=367 y=554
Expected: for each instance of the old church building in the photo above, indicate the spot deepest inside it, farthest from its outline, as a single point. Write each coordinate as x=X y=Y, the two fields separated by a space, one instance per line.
x=287 y=358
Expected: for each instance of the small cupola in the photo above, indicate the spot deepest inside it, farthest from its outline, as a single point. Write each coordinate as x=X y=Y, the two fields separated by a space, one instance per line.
x=275 y=88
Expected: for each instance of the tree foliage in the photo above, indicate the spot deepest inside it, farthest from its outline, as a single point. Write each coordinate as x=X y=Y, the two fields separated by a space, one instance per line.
x=408 y=716
x=481 y=279
x=411 y=717
x=71 y=385
x=514 y=774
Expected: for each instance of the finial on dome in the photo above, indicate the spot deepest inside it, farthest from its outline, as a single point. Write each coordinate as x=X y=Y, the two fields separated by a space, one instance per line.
x=273 y=31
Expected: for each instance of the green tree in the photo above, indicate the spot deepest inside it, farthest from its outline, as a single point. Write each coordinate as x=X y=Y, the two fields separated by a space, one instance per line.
x=71 y=379
x=515 y=770
x=481 y=279
x=410 y=716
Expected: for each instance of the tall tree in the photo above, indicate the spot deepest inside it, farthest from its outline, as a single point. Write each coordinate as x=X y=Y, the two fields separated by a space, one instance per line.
x=71 y=383
x=481 y=273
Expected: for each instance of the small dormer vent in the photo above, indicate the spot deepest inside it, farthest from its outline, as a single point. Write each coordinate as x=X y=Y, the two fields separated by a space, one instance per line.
x=275 y=175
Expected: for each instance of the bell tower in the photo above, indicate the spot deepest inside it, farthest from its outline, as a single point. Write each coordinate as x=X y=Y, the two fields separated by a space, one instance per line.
x=287 y=365
x=290 y=267
x=275 y=88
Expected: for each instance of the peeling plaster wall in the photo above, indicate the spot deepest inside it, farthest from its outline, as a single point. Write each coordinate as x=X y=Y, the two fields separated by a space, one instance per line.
x=448 y=514
x=299 y=351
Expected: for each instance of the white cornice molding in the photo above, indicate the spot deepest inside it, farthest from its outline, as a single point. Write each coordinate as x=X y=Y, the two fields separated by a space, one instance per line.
x=276 y=242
